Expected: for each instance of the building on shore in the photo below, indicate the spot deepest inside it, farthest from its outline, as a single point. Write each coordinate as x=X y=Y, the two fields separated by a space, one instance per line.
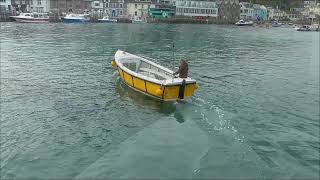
x=260 y=12
x=66 y=6
x=116 y=8
x=20 y=5
x=161 y=9
x=97 y=6
x=5 y=10
x=246 y=11
x=293 y=16
x=279 y=14
x=5 y=5
x=138 y=9
x=39 y=6
x=270 y=13
x=194 y=8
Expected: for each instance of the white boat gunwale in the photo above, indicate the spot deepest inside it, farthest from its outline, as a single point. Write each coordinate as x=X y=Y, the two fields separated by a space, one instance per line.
x=167 y=82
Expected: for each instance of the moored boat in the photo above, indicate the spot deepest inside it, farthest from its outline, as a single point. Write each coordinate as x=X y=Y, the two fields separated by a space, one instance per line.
x=137 y=20
x=314 y=27
x=147 y=77
x=106 y=19
x=32 y=18
x=244 y=23
x=76 y=18
x=276 y=24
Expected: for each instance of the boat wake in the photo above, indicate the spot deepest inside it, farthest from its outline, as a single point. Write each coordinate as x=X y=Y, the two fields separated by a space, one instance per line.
x=214 y=118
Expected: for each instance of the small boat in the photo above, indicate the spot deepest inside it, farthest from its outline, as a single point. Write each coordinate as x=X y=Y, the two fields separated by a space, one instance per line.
x=136 y=20
x=308 y=28
x=147 y=77
x=32 y=18
x=106 y=19
x=76 y=18
x=276 y=24
x=244 y=23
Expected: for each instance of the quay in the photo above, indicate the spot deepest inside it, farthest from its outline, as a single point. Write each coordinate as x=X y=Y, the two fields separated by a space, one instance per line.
x=167 y=11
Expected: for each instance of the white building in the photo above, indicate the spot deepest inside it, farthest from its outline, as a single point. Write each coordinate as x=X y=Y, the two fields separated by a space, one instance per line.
x=39 y=6
x=5 y=5
x=196 y=8
x=246 y=11
x=279 y=14
x=117 y=8
x=97 y=6
x=138 y=9
x=270 y=13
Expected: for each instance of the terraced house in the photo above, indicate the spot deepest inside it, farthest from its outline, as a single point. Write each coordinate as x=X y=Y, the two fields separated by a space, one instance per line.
x=75 y=6
x=139 y=8
x=20 y=5
x=116 y=8
x=5 y=5
x=196 y=8
x=223 y=10
x=39 y=6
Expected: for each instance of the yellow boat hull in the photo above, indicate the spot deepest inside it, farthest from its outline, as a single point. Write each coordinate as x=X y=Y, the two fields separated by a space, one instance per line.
x=163 y=92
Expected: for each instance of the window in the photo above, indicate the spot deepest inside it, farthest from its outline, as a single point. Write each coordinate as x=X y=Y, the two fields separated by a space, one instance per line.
x=142 y=6
x=120 y=12
x=39 y=2
x=185 y=10
x=135 y=13
x=121 y=5
x=136 y=6
x=107 y=4
x=40 y=9
x=96 y=4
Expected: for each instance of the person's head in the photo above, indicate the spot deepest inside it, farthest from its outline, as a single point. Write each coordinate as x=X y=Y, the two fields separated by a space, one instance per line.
x=183 y=61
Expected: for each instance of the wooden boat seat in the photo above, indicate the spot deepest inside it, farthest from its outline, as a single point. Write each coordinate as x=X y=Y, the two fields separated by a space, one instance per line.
x=154 y=72
x=148 y=74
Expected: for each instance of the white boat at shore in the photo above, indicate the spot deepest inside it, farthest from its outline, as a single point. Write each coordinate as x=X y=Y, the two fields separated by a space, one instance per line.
x=106 y=19
x=137 y=20
x=244 y=23
x=76 y=18
x=314 y=27
x=32 y=18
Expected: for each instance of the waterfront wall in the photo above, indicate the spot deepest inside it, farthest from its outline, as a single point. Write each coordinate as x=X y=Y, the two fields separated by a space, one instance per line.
x=5 y=16
x=190 y=20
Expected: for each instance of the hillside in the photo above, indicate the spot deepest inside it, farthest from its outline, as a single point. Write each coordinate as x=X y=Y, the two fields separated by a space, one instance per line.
x=282 y=4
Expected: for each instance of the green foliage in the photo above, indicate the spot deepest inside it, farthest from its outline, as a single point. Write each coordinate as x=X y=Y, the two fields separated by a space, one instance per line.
x=281 y=4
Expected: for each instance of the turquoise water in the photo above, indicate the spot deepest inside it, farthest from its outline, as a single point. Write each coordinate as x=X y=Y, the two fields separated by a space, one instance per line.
x=65 y=113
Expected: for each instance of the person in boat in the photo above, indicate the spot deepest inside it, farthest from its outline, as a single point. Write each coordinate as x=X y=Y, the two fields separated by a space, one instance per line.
x=183 y=69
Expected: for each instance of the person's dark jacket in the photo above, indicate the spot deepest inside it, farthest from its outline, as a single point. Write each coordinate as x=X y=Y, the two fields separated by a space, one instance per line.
x=183 y=70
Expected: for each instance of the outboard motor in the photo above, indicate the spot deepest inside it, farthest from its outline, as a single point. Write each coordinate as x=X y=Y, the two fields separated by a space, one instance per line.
x=181 y=90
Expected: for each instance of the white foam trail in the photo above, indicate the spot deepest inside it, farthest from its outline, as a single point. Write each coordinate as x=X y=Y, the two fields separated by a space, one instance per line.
x=206 y=109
